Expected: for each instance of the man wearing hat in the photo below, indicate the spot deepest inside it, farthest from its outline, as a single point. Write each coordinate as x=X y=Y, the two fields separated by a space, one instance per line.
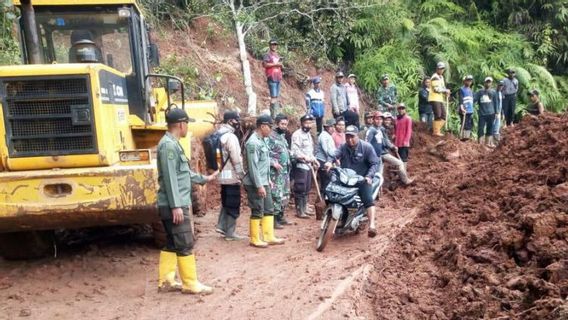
x=273 y=69
x=486 y=99
x=369 y=115
x=535 y=107
x=437 y=97
x=338 y=96
x=359 y=156
x=257 y=185
x=174 y=199
x=465 y=109
x=381 y=142
x=279 y=169
x=302 y=151
x=315 y=102
x=230 y=177
x=510 y=90
x=325 y=152
x=387 y=96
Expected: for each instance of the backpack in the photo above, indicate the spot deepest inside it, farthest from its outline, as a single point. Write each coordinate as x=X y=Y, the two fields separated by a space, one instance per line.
x=213 y=150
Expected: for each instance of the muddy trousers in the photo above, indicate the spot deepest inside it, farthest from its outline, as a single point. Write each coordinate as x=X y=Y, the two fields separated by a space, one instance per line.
x=389 y=158
x=302 y=186
x=439 y=110
x=179 y=237
x=230 y=208
x=259 y=207
x=324 y=179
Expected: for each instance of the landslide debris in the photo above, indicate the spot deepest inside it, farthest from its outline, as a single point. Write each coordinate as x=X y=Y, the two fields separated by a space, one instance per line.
x=491 y=240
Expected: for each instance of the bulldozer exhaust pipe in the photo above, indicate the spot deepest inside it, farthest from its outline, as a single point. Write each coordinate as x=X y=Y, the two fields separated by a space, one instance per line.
x=30 y=31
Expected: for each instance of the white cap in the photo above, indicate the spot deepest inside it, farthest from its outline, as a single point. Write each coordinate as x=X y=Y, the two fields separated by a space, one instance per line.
x=488 y=79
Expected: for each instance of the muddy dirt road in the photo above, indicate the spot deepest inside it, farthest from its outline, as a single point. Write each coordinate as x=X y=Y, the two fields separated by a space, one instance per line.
x=118 y=280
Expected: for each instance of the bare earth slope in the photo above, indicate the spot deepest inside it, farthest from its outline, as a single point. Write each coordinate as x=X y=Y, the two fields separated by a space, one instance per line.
x=492 y=240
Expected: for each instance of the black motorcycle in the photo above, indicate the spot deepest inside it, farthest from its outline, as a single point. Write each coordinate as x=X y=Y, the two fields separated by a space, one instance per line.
x=344 y=212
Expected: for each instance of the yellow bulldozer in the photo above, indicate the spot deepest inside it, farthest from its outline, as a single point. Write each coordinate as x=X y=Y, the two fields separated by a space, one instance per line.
x=79 y=122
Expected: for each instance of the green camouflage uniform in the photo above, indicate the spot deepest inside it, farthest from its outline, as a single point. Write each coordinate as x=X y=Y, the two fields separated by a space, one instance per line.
x=387 y=95
x=279 y=153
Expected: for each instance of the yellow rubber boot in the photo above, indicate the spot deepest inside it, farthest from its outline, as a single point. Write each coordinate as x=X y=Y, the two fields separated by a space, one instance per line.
x=167 y=272
x=255 y=240
x=188 y=274
x=437 y=128
x=268 y=231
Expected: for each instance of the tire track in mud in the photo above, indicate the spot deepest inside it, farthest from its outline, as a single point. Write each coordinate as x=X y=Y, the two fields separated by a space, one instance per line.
x=118 y=280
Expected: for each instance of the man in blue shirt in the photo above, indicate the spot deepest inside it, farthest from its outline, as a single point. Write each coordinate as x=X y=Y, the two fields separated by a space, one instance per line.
x=315 y=103
x=360 y=156
x=486 y=100
x=466 y=107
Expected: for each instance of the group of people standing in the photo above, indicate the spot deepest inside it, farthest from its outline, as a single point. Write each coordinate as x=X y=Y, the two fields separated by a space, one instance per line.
x=494 y=105
x=273 y=158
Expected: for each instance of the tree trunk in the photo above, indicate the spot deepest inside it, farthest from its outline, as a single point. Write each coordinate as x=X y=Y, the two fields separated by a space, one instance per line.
x=247 y=77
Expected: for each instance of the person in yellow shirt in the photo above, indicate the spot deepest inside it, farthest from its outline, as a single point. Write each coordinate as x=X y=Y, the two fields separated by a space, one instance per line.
x=437 y=97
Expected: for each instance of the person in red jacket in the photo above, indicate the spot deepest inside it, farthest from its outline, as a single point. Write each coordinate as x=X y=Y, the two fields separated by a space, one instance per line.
x=403 y=133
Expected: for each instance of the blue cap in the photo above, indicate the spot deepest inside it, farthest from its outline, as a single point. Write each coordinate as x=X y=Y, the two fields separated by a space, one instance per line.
x=316 y=80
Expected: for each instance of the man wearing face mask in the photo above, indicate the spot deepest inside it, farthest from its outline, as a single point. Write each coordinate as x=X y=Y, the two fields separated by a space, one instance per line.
x=279 y=169
x=302 y=151
x=230 y=177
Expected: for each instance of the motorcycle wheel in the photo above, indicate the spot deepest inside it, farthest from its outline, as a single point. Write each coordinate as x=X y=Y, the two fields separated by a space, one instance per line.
x=329 y=225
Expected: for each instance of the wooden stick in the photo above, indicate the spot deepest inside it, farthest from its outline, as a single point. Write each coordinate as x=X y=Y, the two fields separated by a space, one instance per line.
x=316 y=183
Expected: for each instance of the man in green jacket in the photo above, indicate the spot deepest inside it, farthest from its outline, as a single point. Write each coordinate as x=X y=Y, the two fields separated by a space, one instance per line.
x=387 y=97
x=174 y=199
x=257 y=185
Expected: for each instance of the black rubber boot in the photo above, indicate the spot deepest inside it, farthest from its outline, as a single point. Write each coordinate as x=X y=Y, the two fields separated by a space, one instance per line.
x=301 y=207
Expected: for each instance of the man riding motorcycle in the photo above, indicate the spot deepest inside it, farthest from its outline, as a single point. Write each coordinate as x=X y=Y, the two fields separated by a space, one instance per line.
x=360 y=156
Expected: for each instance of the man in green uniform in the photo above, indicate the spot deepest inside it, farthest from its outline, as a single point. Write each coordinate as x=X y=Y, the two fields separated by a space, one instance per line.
x=257 y=183
x=174 y=199
x=279 y=170
x=387 y=97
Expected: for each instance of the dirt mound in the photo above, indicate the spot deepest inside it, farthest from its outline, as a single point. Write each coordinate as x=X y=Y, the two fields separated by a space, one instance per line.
x=492 y=241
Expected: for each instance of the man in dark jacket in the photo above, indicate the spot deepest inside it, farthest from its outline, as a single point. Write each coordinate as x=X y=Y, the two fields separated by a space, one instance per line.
x=359 y=156
x=486 y=99
x=424 y=107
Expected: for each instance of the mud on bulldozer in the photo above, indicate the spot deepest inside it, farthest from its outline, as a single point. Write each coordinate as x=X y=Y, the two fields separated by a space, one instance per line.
x=80 y=120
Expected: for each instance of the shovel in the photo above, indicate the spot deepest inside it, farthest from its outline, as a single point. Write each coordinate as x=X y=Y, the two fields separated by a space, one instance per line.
x=320 y=204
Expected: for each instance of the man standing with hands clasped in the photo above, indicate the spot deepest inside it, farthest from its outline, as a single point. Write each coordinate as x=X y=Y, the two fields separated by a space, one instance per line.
x=510 y=89
x=257 y=185
x=338 y=96
x=174 y=199
x=486 y=99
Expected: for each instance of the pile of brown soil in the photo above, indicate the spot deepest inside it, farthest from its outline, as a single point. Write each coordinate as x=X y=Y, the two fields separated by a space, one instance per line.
x=492 y=238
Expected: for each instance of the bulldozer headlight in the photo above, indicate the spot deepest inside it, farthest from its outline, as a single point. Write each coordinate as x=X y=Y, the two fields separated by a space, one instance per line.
x=124 y=13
